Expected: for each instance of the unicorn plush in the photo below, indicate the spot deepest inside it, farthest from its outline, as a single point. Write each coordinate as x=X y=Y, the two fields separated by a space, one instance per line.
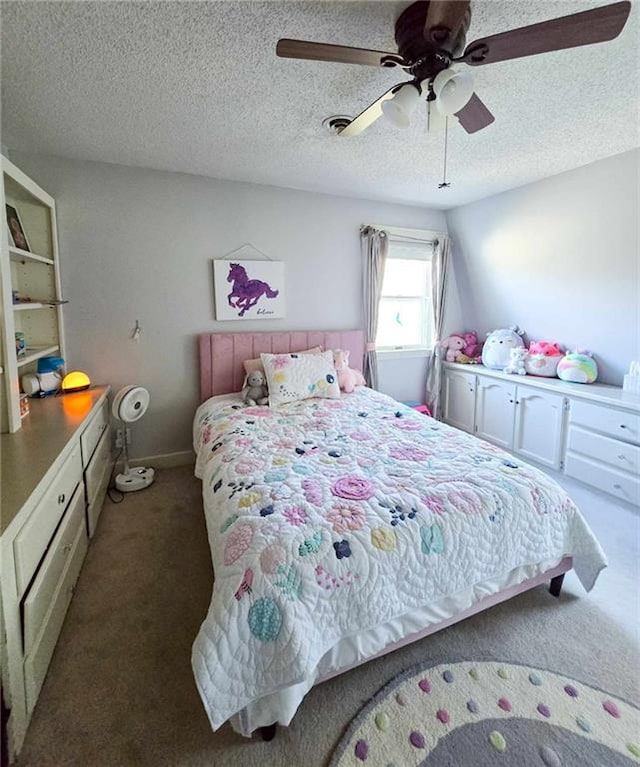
x=348 y=378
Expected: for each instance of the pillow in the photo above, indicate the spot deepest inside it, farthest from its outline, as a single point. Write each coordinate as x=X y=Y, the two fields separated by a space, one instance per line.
x=256 y=364
x=294 y=377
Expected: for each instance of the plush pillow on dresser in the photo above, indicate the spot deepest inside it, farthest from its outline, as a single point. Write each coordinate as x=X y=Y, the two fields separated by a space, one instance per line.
x=294 y=377
x=256 y=364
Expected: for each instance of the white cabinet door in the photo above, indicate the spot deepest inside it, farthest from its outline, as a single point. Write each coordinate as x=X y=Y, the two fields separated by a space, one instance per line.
x=539 y=426
x=495 y=410
x=459 y=399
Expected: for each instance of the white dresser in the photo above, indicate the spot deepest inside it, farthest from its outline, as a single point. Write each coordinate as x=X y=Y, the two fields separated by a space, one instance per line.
x=591 y=432
x=55 y=472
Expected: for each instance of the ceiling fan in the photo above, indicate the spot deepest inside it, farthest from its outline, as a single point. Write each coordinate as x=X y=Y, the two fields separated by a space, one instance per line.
x=431 y=37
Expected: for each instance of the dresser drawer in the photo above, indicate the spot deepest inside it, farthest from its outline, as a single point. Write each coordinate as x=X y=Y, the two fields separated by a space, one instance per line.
x=100 y=463
x=37 y=660
x=609 y=480
x=616 y=423
x=34 y=536
x=40 y=595
x=91 y=435
x=620 y=455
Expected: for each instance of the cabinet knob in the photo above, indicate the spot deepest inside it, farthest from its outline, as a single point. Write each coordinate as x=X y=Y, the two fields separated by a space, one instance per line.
x=617 y=486
x=61 y=498
x=622 y=457
x=623 y=426
x=67 y=548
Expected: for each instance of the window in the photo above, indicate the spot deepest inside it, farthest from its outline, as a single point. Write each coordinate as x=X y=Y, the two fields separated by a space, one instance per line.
x=404 y=319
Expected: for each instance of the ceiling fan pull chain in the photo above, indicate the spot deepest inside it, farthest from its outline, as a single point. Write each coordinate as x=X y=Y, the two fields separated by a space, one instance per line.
x=445 y=184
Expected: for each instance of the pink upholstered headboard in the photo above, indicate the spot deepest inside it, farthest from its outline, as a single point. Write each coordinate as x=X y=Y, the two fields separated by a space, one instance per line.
x=222 y=354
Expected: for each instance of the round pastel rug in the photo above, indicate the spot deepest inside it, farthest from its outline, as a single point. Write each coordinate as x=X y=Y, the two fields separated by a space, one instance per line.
x=487 y=714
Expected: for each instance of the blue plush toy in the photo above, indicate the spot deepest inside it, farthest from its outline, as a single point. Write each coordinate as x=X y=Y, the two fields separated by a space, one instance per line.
x=497 y=348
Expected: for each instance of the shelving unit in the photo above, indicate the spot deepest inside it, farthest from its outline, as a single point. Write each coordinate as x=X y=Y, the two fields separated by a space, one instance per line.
x=17 y=254
x=34 y=353
x=34 y=273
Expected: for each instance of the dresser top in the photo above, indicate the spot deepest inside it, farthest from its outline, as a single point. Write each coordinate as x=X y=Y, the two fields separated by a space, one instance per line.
x=604 y=394
x=30 y=454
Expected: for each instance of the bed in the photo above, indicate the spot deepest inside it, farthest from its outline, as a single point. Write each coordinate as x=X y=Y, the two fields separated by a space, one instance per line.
x=343 y=529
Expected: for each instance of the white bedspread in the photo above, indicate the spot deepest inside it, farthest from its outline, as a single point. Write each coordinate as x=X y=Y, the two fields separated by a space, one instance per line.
x=329 y=518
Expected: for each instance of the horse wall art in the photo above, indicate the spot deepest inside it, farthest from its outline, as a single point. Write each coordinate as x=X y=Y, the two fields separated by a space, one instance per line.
x=249 y=289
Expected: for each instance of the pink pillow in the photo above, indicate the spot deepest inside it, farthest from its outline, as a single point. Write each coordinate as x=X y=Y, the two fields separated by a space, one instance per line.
x=251 y=366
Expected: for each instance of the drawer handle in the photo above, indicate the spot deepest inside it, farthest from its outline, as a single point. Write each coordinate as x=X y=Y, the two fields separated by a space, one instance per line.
x=61 y=498
x=623 y=426
x=66 y=549
x=622 y=457
x=617 y=486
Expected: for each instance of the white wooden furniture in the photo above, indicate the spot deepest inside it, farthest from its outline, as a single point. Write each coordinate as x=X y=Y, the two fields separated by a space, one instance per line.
x=55 y=472
x=589 y=431
x=34 y=274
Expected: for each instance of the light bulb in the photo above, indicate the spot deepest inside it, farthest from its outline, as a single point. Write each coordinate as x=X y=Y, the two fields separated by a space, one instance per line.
x=399 y=108
x=453 y=90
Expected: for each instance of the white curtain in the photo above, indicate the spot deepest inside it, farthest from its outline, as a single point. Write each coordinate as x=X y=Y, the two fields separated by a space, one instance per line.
x=375 y=246
x=439 y=264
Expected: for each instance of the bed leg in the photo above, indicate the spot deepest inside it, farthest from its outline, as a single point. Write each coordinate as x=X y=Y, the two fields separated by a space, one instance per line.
x=267 y=733
x=555 y=586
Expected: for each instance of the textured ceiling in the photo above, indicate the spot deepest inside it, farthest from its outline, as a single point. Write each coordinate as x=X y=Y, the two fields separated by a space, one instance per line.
x=196 y=87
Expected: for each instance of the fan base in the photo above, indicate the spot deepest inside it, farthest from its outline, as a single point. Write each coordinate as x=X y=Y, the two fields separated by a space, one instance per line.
x=137 y=478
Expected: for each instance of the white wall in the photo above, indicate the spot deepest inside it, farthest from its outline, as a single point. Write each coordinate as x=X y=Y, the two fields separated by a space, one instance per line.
x=560 y=258
x=137 y=245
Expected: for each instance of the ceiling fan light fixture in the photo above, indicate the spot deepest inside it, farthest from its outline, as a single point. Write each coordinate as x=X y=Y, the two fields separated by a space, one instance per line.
x=399 y=108
x=453 y=90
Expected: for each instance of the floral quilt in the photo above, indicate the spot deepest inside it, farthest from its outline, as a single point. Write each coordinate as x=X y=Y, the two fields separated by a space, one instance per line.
x=330 y=517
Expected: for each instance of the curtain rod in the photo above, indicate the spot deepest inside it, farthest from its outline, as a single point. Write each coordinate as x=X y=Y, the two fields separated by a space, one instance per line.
x=406 y=234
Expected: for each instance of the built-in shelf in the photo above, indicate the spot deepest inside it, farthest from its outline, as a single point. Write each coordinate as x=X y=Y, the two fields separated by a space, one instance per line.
x=31 y=305
x=17 y=254
x=23 y=306
x=33 y=277
x=34 y=353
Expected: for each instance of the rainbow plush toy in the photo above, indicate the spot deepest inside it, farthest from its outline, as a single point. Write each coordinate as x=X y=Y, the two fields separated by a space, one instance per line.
x=578 y=367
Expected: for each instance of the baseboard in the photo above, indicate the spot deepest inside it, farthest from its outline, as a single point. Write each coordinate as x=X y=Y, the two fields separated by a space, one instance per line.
x=164 y=461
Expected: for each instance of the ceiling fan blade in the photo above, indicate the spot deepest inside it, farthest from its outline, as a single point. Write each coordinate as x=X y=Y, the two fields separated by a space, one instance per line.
x=366 y=118
x=304 y=49
x=585 y=28
x=444 y=19
x=475 y=116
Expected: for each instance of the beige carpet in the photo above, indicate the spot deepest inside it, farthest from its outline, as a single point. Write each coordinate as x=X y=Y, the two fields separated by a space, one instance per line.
x=120 y=689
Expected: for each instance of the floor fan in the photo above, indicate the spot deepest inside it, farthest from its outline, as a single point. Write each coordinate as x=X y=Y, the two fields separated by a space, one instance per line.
x=129 y=405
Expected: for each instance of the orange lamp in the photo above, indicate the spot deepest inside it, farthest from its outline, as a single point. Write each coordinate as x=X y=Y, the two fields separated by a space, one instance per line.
x=76 y=380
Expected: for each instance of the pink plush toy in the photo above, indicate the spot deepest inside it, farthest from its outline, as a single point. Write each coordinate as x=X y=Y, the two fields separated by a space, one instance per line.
x=454 y=344
x=473 y=347
x=348 y=378
x=543 y=359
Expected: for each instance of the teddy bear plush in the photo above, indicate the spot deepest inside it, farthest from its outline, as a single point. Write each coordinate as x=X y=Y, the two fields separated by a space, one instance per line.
x=348 y=378
x=473 y=346
x=517 y=357
x=255 y=392
x=454 y=345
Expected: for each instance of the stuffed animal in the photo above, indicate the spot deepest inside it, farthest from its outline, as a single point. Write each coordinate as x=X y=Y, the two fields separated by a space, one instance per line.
x=348 y=378
x=454 y=344
x=578 y=367
x=497 y=348
x=473 y=346
x=543 y=359
x=517 y=357
x=255 y=392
